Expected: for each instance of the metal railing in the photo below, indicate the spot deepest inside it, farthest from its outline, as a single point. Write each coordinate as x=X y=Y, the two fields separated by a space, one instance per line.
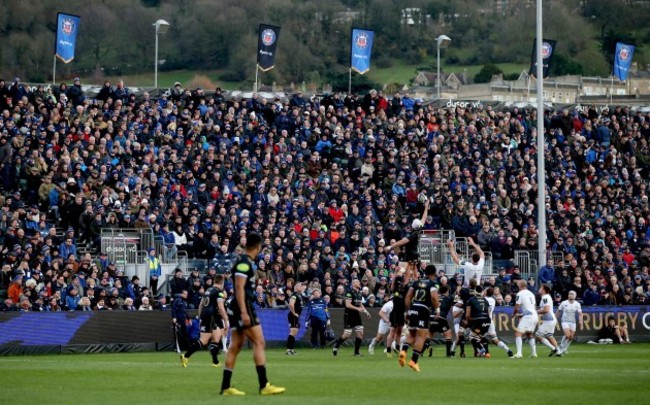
x=528 y=263
x=433 y=250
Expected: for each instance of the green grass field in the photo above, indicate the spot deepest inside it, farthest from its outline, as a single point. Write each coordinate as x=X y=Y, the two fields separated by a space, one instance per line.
x=588 y=375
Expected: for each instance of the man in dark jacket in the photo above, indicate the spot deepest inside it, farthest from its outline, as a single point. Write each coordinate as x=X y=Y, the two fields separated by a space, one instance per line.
x=178 y=283
x=179 y=320
x=75 y=93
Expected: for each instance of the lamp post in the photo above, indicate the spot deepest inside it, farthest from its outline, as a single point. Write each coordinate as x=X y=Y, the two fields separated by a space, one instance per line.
x=162 y=27
x=442 y=41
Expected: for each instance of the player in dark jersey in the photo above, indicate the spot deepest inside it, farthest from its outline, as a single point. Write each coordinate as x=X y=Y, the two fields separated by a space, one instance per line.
x=411 y=255
x=438 y=323
x=399 y=288
x=212 y=313
x=295 y=309
x=477 y=315
x=244 y=321
x=421 y=301
x=352 y=318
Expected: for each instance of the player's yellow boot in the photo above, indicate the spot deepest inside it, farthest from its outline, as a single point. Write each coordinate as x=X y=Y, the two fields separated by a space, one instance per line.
x=271 y=390
x=414 y=366
x=232 y=391
x=184 y=361
x=402 y=358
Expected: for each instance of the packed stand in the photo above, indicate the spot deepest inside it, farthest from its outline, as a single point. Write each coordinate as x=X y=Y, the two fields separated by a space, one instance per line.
x=327 y=181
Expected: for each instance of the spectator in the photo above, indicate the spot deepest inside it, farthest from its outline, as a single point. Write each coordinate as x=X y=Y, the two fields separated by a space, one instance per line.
x=591 y=296
x=547 y=273
x=145 y=306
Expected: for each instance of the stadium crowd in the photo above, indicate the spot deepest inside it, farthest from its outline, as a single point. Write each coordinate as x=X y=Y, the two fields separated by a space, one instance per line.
x=327 y=181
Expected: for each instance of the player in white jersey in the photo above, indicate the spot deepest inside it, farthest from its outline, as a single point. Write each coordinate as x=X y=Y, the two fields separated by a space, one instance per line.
x=473 y=269
x=545 y=311
x=570 y=310
x=458 y=313
x=384 y=326
x=526 y=309
x=491 y=335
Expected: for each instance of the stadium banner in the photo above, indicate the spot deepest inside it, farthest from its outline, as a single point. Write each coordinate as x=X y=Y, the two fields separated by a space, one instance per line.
x=361 y=50
x=623 y=60
x=67 y=26
x=548 y=49
x=65 y=332
x=267 y=41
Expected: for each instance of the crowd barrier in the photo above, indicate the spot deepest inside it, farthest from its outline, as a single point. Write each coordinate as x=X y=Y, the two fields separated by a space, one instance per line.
x=107 y=331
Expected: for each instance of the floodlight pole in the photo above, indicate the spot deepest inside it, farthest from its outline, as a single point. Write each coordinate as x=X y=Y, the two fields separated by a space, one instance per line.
x=161 y=28
x=541 y=171
x=442 y=41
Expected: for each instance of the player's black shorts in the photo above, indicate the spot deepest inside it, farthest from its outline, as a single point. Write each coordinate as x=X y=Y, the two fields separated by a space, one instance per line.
x=207 y=322
x=234 y=316
x=419 y=317
x=396 y=316
x=480 y=326
x=351 y=319
x=412 y=257
x=294 y=321
x=438 y=324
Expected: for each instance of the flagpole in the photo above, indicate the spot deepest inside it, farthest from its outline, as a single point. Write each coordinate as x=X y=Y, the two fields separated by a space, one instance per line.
x=528 y=89
x=541 y=170
x=54 y=72
x=257 y=68
x=350 y=83
x=611 y=92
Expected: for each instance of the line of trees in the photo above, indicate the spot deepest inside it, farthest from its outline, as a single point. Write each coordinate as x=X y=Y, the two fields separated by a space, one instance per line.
x=117 y=36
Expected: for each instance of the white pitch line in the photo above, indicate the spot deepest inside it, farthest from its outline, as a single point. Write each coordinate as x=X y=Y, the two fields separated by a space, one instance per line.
x=122 y=363
x=592 y=370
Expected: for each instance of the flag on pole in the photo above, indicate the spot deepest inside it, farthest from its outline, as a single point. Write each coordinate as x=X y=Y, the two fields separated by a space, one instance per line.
x=623 y=60
x=361 y=50
x=548 y=49
x=267 y=41
x=66 y=36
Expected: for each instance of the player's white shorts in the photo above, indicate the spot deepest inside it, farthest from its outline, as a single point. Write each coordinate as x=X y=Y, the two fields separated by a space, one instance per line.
x=546 y=329
x=384 y=327
x=569 y=325
x=527 y=323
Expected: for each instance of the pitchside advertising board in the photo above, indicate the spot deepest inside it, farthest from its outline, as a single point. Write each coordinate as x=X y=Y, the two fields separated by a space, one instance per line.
x=53 y=332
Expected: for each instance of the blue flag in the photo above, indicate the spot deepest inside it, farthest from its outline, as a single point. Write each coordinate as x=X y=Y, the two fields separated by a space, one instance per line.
x=361 y=50
x=623 y=60
x=67 y=26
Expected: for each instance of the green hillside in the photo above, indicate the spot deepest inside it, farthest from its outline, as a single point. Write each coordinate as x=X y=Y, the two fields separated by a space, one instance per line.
x=218 y=39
